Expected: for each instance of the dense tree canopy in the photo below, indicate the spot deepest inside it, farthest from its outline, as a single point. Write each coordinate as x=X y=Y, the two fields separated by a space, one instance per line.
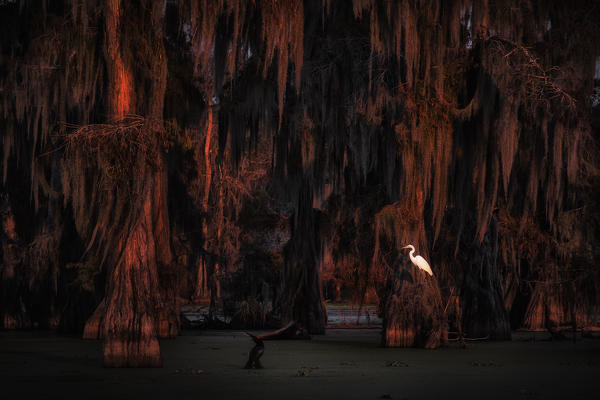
x=250 y=151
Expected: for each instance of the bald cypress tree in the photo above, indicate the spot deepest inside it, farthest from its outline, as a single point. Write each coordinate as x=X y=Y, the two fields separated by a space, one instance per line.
x=161 y=138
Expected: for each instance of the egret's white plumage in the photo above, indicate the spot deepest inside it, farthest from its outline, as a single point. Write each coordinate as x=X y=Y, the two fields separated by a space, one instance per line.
x=418 y=260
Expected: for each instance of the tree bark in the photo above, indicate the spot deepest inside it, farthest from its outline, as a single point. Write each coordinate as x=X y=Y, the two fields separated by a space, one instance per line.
x=133 y=296
x=302 y=300
x=414 y=315
x=484 y=312
x=169 y=316
x=544 y=309
x=137 y=309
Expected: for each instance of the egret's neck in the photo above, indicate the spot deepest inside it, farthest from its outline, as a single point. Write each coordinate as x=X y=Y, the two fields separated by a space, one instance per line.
x=412 y=253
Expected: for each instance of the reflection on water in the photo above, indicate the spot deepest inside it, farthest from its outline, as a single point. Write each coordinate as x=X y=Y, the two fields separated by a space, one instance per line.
x=338 y=315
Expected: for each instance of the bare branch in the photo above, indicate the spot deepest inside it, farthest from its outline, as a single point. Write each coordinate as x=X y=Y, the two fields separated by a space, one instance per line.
x=540 y=83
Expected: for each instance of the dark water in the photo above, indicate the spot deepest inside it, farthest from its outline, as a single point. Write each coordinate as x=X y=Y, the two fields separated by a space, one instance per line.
x=343 y=364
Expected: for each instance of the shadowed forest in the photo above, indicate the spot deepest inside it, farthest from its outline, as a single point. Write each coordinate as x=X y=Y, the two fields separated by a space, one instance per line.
x=266 y=158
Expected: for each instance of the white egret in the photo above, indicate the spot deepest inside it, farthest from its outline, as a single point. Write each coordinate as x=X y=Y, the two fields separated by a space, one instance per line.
x=418 y=260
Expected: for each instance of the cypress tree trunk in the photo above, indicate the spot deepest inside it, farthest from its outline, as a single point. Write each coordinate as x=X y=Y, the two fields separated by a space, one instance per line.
x=484 y=312
x=133 y=313
x=302 y=296
x=414 y=315
x=132 y=298
x=412 y=303
x=168 y=316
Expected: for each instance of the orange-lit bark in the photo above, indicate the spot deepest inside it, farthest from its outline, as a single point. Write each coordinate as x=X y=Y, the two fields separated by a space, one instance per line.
x=130 y=324
x=123 y=89
x=94 y=326
x=137 y=308
x=130 y=320
x=207 y=154
x=120 y=83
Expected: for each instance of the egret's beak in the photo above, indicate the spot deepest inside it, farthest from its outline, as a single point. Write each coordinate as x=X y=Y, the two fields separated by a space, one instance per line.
x=405 y=247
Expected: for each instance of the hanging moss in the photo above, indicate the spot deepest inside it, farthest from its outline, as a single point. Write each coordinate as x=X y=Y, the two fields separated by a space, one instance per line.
x=409 y=121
